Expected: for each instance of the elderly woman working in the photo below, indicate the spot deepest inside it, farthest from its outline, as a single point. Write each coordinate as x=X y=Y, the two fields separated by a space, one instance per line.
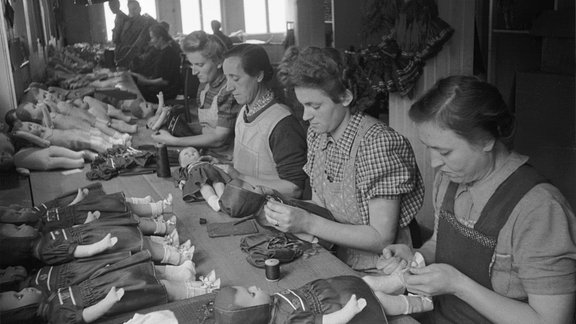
x=270 y=147
x=361 y=170
x=503 y=240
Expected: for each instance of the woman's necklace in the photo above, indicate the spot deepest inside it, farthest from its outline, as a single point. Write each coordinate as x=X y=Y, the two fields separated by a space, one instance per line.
x=260 y=103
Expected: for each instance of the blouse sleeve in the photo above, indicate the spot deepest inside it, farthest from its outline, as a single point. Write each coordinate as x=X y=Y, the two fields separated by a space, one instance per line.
x=386 y=165
x=546 y=265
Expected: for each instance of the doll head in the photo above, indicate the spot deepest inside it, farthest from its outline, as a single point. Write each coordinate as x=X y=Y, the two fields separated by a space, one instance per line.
x=10 y=277
x=16 y=214
x=16 y=243
x=239 y=304
x=6 y=153
x=29 y=127
x=187 y=156
x=20 y=306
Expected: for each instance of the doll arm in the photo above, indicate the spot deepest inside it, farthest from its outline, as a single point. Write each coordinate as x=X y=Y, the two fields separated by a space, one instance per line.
x=94 y=312
x=164 y=111
x=347 y=313
x=84 y=251
x=46 y=118
x=31 y=138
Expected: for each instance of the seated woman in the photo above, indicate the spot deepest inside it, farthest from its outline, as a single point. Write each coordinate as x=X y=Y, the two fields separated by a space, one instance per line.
x=361 y=170
x=127 y=285
x=503 y=247
x=270 y=144
x=166 y=74
x=343 y=299
x=215 y=106
x=199 y=175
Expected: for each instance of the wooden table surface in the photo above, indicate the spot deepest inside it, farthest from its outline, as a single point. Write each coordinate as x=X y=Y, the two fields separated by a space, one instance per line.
x=222 y=254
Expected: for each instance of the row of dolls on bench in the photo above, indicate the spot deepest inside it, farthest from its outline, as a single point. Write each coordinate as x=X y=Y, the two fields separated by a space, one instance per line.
x=94 y=254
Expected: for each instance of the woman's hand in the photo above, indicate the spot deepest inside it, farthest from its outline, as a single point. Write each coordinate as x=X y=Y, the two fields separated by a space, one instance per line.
x=163 y=136
x=435 y=279
x=394 y=257
x=287 y=218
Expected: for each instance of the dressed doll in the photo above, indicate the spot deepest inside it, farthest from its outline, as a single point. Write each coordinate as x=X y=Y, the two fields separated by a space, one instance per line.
x=198 y=174
x=24 y=245
x=342 y=299
x=127 y=285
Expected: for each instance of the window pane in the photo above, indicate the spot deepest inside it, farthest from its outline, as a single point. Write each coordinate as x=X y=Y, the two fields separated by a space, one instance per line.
x=210 y=11
x=277 y=16
x=147 y=6
x=255 y=16
x=190 y=15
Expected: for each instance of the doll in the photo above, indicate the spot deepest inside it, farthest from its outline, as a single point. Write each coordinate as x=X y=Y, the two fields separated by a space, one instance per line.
x=24 y=245
x=342 y=299
x=126 y=285
x=41 y=114
x=198 y=174
x=73 y=139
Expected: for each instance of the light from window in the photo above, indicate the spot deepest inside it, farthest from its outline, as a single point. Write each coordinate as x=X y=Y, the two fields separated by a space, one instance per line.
x=190 y=15
x=147 y=6
x=195 y=19
x=265 y=16
x=277 y=16
x=255 y=16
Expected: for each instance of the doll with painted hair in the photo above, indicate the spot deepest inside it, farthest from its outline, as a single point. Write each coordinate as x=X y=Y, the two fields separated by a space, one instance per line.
x=123 y=286
x=199 y=175
x=342 y=299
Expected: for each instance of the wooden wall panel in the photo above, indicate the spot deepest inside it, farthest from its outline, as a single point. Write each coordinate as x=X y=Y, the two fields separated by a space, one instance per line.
x=455 y=58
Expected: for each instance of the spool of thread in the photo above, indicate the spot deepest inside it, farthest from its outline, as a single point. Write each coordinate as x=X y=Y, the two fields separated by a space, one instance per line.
x=162 y=162
x=272 y=267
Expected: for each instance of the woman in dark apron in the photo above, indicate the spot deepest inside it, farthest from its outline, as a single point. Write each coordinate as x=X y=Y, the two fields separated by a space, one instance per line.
x=503 y=248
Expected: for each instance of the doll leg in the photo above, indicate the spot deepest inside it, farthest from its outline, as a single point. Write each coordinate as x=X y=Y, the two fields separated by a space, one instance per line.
x=123 y=126
x=150 y=226
x=117 y=113
x=98 y=145
x=219 y=188
x=167 y=254
x=184 y=272
x=84 y=251
x=401 y=304
x=82 y=193
x=136 y=200
x=389 y=284
x=153 y=209
x=210 y=196
x=189 y=289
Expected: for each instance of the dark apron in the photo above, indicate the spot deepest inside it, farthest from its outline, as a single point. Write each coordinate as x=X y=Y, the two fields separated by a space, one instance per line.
x=470 y=250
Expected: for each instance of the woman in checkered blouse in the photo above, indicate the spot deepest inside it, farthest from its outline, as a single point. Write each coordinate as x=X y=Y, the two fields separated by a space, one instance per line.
x=363 y=171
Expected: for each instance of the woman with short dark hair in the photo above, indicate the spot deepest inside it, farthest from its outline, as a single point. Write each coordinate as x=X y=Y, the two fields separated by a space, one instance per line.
x=503 y=244
x=361 y=170
x=270 y=145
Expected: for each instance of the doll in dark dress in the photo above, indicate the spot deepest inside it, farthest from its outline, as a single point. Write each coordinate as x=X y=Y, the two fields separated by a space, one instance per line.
x=342 y=299
x=199 y=175
x=126 y=285
x=24 y=245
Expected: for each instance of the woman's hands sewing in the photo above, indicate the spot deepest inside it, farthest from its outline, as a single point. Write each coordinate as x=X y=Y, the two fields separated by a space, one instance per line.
x=287 y=218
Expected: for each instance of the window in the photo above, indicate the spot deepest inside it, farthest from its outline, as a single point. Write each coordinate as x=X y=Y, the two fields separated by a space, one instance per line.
x=147 y=6
x=197 y=14
x=265 y=16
